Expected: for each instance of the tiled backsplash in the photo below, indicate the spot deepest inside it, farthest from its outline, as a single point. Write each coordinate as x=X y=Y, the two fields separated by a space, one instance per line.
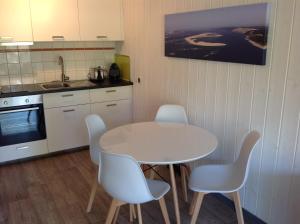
x=31 y=65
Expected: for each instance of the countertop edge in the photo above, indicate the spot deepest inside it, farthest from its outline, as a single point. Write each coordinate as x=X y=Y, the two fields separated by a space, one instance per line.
x=69 y=89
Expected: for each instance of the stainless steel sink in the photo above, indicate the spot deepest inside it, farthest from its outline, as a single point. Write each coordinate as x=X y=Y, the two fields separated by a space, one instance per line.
x=55 y=85
x=66 y=85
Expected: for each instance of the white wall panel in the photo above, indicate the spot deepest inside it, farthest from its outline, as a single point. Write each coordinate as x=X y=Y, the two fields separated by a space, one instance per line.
x=292 y=104
x=229 y=99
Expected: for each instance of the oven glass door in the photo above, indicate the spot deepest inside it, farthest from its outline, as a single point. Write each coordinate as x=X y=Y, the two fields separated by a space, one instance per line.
x=22 y=124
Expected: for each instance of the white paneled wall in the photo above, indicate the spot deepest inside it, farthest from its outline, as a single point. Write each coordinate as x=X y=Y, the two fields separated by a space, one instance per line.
x=229 y=99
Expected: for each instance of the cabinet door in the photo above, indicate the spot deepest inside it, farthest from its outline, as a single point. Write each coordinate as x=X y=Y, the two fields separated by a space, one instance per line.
x=114 y=113
x=66 y=127
x=100 y=19
x=55 y=20
x=15 y=22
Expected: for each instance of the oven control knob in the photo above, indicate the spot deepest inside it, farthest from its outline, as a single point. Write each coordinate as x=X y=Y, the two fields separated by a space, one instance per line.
x=27 y=101
x=5 y=102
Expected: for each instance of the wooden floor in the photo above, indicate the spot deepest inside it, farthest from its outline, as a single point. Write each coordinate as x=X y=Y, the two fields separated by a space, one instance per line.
x=56 y=190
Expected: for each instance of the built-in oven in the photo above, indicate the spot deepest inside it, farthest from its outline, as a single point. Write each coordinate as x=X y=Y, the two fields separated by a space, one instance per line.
x=21 y=120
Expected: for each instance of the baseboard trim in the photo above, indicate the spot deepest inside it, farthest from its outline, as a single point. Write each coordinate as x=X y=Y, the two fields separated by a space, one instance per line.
x=248 y=216
x=50 y=154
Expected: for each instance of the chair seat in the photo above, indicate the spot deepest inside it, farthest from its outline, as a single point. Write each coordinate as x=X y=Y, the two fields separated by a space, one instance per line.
x=215 y=178
x=158 y=188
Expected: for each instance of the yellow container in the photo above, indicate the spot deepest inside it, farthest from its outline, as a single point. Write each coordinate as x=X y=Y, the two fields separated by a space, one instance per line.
x=123 y=61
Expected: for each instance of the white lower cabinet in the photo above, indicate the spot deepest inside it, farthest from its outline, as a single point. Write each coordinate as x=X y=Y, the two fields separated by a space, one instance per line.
x=66 y=127
x=65 y=114
x=23 y=150
x=114 y=113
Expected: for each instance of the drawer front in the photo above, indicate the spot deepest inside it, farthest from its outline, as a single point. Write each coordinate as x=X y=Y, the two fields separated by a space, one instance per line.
x=23 y=150
x=111 y=94
x=66 y=98
x=66 y=127
x=114 y=113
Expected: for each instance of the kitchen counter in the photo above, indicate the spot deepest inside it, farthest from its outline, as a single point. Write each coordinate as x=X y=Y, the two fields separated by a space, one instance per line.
x=34 y=89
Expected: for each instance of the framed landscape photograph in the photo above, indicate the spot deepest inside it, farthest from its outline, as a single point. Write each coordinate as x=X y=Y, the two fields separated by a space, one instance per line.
x=237 y=34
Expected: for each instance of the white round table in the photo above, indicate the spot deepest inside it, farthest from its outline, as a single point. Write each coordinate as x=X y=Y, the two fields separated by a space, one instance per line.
x=160 y=144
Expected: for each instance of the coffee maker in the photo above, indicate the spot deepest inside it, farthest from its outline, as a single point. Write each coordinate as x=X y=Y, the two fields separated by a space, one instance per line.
x=114 y=73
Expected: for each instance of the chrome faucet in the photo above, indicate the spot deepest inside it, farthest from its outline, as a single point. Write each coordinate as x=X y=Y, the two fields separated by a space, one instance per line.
x=63 y=75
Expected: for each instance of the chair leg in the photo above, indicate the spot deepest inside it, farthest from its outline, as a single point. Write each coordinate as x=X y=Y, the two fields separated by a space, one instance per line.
x=188 y=171
x=112 y=211
x=238 y=207
x=183 y=183
x=116 y=215
x=139 y=214
x=92 y=195
x=197 y=207
x=152 y=172
x=132 y=214
x=164 y=210
x=192 y=206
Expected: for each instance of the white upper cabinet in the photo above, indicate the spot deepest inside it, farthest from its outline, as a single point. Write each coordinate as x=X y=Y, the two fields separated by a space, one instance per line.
x=55 y=20
x=15 y=23
x=69 y=20
x=100 y=19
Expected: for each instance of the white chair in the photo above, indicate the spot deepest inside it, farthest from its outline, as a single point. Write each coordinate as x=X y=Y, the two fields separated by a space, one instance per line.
x=123 y=179
x=175 y=114
x=228 y=178
x=96 y=128
x=171 y=113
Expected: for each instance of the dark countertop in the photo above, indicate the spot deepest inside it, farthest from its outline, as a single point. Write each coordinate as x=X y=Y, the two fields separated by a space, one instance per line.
x=34 y=89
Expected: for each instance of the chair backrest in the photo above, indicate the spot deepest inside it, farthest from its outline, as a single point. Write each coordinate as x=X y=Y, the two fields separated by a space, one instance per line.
x=96 y=127
x=171 y=113
x=123 y=179
x=242 y=164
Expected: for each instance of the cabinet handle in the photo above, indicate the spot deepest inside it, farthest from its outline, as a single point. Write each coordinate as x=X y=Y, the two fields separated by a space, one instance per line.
x=19 y=110
x=111 y=105
x=58 y=38
x=111 y=91
x=6 y=39
x=67 y=95
x=22 y=147
x=71 y=110
x=101 y=37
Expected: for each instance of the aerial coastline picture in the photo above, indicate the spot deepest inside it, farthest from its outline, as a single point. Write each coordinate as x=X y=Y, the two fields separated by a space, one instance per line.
x=235 y=34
